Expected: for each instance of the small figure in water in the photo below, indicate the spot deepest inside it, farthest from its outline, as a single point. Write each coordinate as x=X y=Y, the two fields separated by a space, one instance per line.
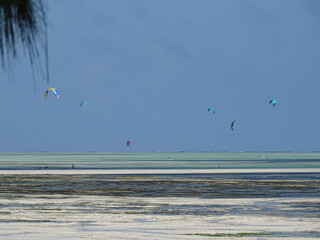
x=72 y=165
x=45 y=167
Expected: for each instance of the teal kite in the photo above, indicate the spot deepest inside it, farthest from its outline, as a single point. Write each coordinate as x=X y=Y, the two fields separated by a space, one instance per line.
x=211 y=109
x=273 y=102
x=83 y=102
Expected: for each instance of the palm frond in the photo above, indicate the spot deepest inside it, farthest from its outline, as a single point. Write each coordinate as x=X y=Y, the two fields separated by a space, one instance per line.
x=23 y=25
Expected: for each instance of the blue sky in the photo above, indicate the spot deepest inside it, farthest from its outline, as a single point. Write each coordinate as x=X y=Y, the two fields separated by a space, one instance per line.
x=150 y=69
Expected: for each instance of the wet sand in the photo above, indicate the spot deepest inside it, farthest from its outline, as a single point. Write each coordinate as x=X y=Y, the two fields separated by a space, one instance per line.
x=243 y=205
x=103 y=217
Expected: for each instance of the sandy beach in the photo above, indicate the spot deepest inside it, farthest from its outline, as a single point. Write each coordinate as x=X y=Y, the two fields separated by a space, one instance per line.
x=156 y=204
x=96 y=217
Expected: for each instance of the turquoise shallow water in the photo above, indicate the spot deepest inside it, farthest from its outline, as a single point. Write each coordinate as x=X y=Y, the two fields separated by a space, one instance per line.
x=254 y=160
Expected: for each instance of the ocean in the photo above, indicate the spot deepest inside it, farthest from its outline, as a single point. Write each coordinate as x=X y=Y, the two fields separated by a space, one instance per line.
x=131 y=160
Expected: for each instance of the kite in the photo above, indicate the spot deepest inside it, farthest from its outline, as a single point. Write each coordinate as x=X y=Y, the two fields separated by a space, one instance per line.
x=129 y=143
x=274 y=102
x=233 y=123
x=83 y=102
x=55 y=91
x=211 y=109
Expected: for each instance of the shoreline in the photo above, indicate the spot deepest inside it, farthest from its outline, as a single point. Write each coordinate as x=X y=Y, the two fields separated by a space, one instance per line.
x=155 y=171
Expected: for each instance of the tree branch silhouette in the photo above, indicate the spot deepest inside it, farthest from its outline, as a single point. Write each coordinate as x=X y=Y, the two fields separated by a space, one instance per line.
x=23 y=26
